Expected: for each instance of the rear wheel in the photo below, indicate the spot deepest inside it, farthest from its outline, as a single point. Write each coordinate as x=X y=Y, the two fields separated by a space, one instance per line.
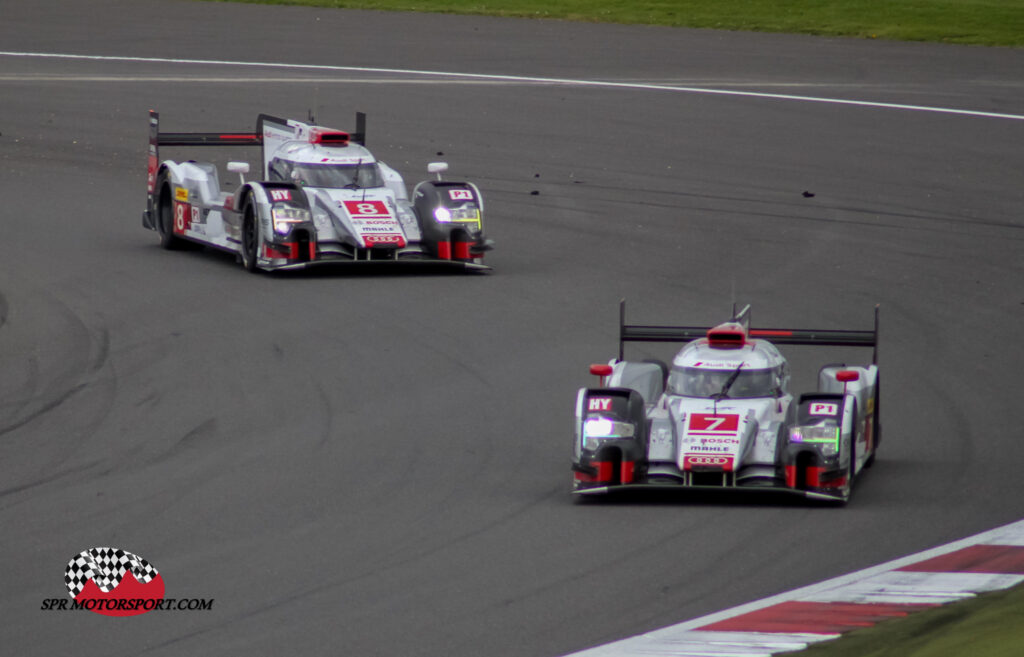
x=165 y=216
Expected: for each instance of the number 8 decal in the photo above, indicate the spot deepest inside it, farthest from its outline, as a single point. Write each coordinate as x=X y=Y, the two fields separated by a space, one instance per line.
x=179 y=217
x=367 y=208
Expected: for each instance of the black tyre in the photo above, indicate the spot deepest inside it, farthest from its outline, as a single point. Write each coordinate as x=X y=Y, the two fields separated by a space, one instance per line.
x=847 y=490
x=876 y=424
x=165 y=215
x=250 y=238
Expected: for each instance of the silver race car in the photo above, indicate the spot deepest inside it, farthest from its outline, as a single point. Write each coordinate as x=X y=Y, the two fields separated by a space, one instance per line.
x=722 y=416
x=322 y=198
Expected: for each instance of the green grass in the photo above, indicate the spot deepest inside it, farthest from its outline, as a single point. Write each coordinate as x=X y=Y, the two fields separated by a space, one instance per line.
x=991 y=625
x=979 y=22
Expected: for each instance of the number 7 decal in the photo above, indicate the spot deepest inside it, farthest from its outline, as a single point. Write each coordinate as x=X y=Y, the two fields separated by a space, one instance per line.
x=707 y=422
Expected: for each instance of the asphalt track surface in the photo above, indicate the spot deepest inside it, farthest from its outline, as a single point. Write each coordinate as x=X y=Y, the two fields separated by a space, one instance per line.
x=376 y=463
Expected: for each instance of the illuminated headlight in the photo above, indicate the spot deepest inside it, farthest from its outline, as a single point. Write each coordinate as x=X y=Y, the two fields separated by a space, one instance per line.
x=284 y=217
x=825 y=437
x=596 y=429
x=447 y=215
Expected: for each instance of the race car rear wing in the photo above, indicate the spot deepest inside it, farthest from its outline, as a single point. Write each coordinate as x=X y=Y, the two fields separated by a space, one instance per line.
x=819 y=337
x=242 y=138
x=263 y=121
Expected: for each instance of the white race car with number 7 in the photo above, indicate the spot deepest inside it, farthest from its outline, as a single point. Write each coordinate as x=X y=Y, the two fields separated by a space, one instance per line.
x=722 y=417
x=323 y=199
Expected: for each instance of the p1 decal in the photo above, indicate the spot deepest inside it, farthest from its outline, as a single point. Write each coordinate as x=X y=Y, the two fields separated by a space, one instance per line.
x=822 y=408
x=460 y=194
x=280 y=194
x=113 y=582
x=599 y=404
x=713 y=425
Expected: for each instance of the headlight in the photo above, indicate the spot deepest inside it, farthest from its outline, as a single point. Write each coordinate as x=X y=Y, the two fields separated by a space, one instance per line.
x=825 y=437
x=285 y=216
x=447 y=215
x=596 y=429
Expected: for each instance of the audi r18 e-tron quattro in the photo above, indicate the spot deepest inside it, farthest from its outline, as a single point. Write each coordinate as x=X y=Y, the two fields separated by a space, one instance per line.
x=322 y=198
x=722 y=417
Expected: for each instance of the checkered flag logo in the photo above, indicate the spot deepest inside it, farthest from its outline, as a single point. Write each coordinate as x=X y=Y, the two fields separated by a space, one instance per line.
x=106 y=567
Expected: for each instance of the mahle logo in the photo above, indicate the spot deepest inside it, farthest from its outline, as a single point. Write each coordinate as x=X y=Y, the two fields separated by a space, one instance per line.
x=114 y=582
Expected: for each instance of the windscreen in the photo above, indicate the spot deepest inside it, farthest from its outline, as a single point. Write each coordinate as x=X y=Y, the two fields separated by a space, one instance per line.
x=701 y=382
x=366 y=174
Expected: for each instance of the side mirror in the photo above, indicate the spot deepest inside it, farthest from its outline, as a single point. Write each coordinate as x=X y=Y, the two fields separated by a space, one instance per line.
x=845 y=376
x=438 y=168
x=241 y=168
x=601 y=370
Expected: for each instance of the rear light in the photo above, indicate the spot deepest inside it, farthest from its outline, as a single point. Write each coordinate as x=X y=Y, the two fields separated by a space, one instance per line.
x=329 y=137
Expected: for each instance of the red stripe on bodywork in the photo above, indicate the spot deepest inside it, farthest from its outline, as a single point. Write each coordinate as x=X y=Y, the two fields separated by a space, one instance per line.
x=814 y=473
x=769 y=332
x=813 y=617
x=288 y=250
x=250 y=136
x=1006 y=559
x=604 y=473
x=444 y=250
x=839 y=482
x=628 y=468
x=462 y=250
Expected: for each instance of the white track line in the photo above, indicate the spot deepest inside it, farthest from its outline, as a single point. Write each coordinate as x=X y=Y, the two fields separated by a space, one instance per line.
x=528 y=79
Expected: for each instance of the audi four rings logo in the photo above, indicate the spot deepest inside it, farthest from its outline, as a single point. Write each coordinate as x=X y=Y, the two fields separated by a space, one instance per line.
x=384 y=239
x=708 y=460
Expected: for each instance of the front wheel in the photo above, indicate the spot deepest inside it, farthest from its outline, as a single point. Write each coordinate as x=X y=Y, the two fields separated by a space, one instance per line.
x=250 y=239
x=876 y=425
x=847 y=489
